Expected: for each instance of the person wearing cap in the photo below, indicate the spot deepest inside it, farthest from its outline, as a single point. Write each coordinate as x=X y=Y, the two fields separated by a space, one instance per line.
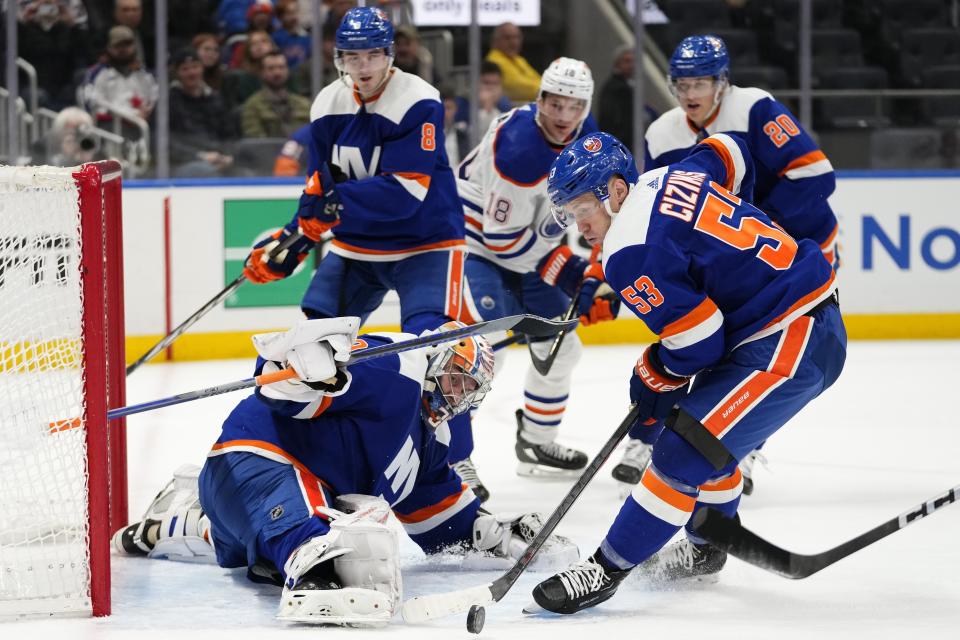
x=521 y=82
x=122 y=86
x=199 y=132
x=411 y=57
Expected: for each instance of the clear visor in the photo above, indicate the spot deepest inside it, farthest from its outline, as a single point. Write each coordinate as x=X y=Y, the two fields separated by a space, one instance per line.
x=363 y=61
x=580 y=208
x=693 y=88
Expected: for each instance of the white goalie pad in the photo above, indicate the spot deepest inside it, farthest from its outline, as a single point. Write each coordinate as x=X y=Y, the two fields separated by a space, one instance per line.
x=500 y=539
x=365 y=555
x=184 y=531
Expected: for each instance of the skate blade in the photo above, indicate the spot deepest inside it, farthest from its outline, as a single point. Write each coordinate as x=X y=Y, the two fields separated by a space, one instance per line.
x=533 y=609
x=541 y=472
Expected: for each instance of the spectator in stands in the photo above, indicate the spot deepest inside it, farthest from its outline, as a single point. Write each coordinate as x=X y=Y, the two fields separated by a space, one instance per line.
x=129 y=13
x=208 y=48
x=273 y=111
x=456 y=139
x=491 y=102
x=260 y=16
x=409 y=56
x=615 y=108
x=521 y=82
x=50 y=40
x=243 y=81
x=121 y=85
x=292 y=159
x=292 y=40
x=71 y=140
x=188 y=18
x=199 y=133
x=300 y=78
x=232 y=15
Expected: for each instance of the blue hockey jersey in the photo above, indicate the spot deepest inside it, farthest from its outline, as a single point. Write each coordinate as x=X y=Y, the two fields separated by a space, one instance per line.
x=704 y=269
x=503 y=189
x=794 y=178
x=366 y=438
x=400 y=197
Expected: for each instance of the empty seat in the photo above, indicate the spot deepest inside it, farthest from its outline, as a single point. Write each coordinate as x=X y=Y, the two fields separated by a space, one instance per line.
x=924 y=48
x=854 y=111
x=905 y=149
x=741 y=44
x=764 y=77
x=689 y=18
x=832 y=48
x=941 y=110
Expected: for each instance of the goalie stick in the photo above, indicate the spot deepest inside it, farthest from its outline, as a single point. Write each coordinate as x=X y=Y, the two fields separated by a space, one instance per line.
x=202 y=311
x=740 y=542
x=422 y=608
x=527 y=324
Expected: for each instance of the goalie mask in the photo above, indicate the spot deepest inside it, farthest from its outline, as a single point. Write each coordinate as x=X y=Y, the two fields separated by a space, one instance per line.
x=458 y=377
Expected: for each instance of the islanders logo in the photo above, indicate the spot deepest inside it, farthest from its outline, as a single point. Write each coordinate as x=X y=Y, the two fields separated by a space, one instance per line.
x=592 y=144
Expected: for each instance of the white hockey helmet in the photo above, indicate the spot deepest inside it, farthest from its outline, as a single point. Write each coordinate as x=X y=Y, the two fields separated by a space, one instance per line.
x=571 y=78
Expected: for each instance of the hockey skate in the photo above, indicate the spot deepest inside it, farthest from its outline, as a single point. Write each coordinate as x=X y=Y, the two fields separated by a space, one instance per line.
x=684 y=560
x=628 y=471
x=746 y=468
x=174 y=526
x=499 y=541
x=548 y=459
x=583 y=585
x=468 y=473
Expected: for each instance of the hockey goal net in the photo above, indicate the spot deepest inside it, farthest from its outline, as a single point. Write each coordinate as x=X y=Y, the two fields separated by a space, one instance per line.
x=62 y=468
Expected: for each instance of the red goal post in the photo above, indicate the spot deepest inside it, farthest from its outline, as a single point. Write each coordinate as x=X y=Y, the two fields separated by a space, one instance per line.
x=63 y=487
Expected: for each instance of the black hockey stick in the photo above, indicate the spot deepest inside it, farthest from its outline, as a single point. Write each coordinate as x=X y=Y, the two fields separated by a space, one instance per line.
x=740 y=542
x=422 y=608
x=543 y=366
x=527 y=324
x=202 y=311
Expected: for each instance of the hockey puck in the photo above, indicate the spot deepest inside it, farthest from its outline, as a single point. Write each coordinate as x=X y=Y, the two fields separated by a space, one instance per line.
x=475 y=619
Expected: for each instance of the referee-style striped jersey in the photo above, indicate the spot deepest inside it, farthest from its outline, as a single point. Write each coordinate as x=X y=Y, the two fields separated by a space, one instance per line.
x=793 y=176
x=400 y=197
x=704 y=269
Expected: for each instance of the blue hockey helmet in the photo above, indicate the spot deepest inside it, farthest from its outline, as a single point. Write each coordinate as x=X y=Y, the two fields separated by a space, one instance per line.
x=586 y=166
x=698 y=56
x=364 y=28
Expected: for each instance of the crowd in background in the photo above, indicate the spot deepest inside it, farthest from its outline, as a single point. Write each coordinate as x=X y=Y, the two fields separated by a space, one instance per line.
x=239 y=71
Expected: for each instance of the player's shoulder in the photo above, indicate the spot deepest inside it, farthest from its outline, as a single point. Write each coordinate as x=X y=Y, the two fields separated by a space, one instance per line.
x=404 y=93
x=520 y=153
x=334 y=99
x=410 y=364
x=669 y=132
x=631 y=225
x=739 y=104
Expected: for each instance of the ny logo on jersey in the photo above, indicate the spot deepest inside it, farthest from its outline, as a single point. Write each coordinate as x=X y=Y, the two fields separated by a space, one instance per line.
x=402 y=471
x=350 y=160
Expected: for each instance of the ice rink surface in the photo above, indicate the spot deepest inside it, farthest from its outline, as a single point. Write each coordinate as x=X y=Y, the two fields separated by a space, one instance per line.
x=885 y=438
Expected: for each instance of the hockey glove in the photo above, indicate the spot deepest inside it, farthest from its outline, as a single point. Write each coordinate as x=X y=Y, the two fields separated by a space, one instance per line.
x=597 y=301
x=653 y=388
x=320 y=206
x=561 y=268
x=262 y=267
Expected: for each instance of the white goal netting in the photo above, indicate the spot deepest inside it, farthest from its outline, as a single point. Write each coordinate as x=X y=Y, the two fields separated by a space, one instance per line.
x=44 y=559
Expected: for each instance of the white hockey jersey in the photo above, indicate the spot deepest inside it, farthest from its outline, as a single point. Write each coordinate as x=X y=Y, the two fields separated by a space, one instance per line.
x=502 y=185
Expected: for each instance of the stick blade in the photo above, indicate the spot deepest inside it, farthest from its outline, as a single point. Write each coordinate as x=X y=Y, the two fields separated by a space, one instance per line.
x=731 y=536
x=439 y=605
x=541 y=327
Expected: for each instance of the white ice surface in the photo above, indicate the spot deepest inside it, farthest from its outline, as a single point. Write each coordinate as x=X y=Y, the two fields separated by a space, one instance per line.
x=884 y=439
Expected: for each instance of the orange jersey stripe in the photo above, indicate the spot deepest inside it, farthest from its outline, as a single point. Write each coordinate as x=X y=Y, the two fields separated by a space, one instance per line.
x=727 y=159
x=473 y=223
x=428 y=512
x=804 y=160
x=455 y=284
x=507 y=246
x=544 y=412
x=272 y=448
x=324 y=405
x=740 y=401
x=665 y=492
x=386 y=252
x=700 y=313
x=420 y=178
x=807 y=299
x=793 y=341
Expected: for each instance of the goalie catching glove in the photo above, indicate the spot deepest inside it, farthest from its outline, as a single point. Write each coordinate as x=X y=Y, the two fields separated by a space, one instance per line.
x=596 y=301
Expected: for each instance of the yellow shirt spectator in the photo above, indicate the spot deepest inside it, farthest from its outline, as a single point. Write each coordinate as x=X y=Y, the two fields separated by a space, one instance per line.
x=521 y=82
